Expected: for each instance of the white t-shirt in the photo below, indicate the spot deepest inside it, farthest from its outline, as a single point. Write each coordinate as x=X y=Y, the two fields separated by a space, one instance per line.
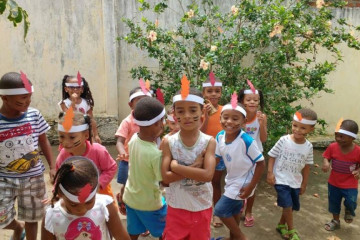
x=90 y=226
x=290 y=159
x=188 y=194
x=83 y=106
x=239 y=157
x=253 y=129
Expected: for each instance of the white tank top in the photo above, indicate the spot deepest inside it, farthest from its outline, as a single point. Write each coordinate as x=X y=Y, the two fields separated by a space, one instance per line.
x=253 y=129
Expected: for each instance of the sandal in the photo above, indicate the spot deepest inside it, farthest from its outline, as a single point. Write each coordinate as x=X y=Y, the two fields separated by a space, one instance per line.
x=282 y=229
x=249 y=222
x=121 y=204
x=216 y=222
x=332 y=225
x=348 y=217
x=293 y=235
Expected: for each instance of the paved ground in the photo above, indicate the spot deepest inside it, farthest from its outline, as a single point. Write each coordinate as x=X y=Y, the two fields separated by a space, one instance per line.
x=309 y=221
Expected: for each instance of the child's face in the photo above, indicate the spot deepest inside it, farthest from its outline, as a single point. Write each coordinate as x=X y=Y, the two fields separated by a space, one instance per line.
x=74 y=208
x=18 y=103
x=71 y=90
x=232 y=121
x=300 y=130
x=213 y=94
x=133 y=102
x=251 y=102
x=73 y=142
x=188 y=114
x=173 y=126
x=343 y=140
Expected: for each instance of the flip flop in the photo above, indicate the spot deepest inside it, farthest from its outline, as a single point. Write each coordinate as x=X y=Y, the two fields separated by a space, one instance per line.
x=22 y=237
x=249 y=222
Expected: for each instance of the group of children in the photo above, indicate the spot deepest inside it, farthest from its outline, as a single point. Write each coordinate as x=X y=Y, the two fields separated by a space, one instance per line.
x=205 y=138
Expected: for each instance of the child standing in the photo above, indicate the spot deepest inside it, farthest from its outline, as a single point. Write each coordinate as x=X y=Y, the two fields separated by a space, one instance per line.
x=189 y=194
x=256 y=127
x=77 y=142
x=81 y=213
x=344 y=156
x=241 y=156
x=76 y=93
x=212 y=89
x=145 y=206
x=21 y=169
x=289 y=167
x=124 y=133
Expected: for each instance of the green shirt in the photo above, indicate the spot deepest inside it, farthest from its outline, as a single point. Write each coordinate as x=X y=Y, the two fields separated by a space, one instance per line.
x=142 y=190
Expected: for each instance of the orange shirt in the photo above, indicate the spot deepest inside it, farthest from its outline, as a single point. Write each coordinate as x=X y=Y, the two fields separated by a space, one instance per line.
x=214 y=125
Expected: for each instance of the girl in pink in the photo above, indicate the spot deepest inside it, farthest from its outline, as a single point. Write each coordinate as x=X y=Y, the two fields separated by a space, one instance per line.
x=76 y=141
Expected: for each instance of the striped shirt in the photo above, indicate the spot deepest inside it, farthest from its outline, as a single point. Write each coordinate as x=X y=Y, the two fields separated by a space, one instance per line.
x=19 y=156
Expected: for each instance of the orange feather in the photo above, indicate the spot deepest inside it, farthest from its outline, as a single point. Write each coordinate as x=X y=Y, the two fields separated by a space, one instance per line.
x=147 y=84
x=299 y=116
x=185 y=87
x=68 y=119
x=337 y=128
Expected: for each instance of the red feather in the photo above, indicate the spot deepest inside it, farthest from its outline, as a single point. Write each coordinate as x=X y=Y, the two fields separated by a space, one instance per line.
x=84 y=193
x=212 y=78
x=160 y=96
x=79 y=78
x=68 y=119
x=234 y=100
x=299 y=116
x=185 y=87
x=251 y=86
x=25 y=81
x=142 y=85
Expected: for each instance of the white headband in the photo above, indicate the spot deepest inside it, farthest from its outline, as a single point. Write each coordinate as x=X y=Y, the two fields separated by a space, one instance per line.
x=146 y=123
x=238 y=108
x=189 y=98
x=249 y=91
x=75 y=198
x=170 y=118
x=217 y=84
x=74 y=84
x=138 y=94
x=74 y=129
x=15 y=91
x=305 y=121
x=351 y=134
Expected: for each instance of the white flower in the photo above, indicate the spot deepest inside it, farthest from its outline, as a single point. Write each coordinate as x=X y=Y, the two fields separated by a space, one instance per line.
x=277 y=30
x=204 y=65
x=152 y=35
x=190 y=13
x=213 y=48
x=234 y=10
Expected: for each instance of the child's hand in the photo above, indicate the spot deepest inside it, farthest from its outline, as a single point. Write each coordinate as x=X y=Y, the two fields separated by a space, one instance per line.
x=122 y=156
x=97 y=139
x=206 y=110
x=326 y=165
x=246 y=191
x=261 y=117
x=302 y=189
x=199 y=161
x=74 y=97
x=270 y=179
x=173 y=164
x=356 y=174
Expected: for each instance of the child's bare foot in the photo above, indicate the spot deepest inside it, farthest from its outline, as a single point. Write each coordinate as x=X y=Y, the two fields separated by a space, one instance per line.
x=19 y=232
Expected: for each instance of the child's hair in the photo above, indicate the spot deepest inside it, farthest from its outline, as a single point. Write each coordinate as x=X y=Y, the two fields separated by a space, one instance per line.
x=11 y=80
x=192 y=91
x=241 y=97
x=134 y=90
x=147 y=108
x=86 y=94
x=78 y=119
x=74 y=174
x=350 y=125
x=308 y=113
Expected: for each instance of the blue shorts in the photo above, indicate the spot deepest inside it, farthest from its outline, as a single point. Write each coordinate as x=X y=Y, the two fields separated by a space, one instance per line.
x=335 y=196
x=220 y=166
x=139 y=221
x=123 y=172
x=288 y=197
x=227 y=207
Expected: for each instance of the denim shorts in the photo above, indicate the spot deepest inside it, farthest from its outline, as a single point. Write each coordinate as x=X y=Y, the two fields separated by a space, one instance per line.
x=220 y=166
x=123 y=169
x=288 y=197
x=335 y=196
x=227 y=207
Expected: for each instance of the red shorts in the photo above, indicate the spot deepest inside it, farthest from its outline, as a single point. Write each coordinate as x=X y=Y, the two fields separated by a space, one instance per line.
x=183 y=224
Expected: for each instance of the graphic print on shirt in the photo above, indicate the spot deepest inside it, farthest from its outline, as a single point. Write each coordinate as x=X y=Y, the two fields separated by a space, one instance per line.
x=251 y=130
x=17 y=151
x=291 y=161
x=83 y=228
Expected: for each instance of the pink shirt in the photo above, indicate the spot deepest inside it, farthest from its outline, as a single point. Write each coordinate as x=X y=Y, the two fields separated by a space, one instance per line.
x=126 y=130
x=100 y=156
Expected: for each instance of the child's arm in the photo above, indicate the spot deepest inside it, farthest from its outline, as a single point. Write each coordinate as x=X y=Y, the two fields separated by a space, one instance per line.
x=206 y=110
x=107 y=167
x=326 y=165
x=63 y=106
x=263 y=126
x=204 y=174
x=259 y=169
x=114 y=224
x=270 y=174
x=121 y=149
x=305 y=174
x=356 y=173
x=167 y=175
x=94 y=126
x=46 y=149
x=45 y=234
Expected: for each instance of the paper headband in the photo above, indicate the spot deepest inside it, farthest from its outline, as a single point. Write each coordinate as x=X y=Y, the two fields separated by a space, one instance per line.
x=351 y=134
x=216 y=84
x=170 y=118
x=84 y=195
x=298 y=118
x=15 y=91
x=138 y=94
x=150 y=122
x=237 y=108
x=189 y=98
x=73 y=129
x=74 y=84
x=249 y=91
